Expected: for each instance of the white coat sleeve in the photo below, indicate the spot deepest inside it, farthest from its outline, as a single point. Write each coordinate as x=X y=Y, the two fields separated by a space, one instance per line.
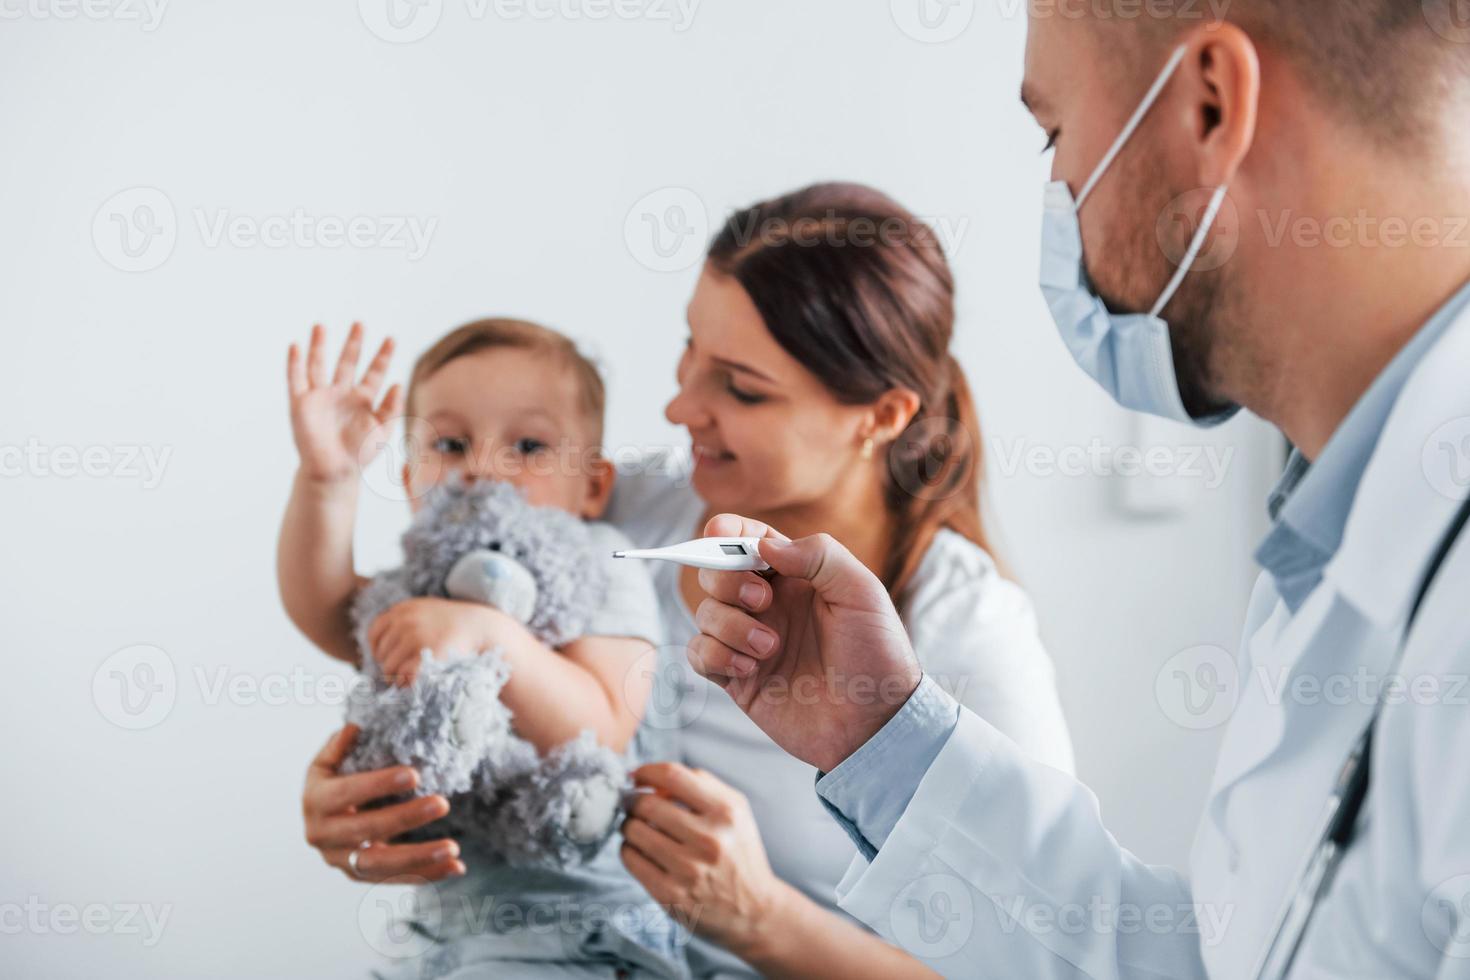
x=1000 y=866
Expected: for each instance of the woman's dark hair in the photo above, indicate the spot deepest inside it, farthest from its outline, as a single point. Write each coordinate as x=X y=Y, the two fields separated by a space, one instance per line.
x=858 y=290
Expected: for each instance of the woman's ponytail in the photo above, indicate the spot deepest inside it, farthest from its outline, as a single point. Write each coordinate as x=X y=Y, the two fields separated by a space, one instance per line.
x=934 y=474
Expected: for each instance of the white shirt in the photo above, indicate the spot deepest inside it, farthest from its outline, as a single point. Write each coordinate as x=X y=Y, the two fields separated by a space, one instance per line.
x=999 y=867
x=973 y=631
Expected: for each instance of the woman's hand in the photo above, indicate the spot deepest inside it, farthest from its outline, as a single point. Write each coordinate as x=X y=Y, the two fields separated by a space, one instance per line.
x=816 y=656
x=399 y=635
x=694 y=845
x=338 y=430
x=335 y=826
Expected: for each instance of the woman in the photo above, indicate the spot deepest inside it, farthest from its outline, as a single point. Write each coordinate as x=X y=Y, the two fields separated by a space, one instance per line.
x=820 y=396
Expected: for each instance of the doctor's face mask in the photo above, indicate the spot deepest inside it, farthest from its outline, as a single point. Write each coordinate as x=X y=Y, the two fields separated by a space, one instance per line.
x=1129 y=354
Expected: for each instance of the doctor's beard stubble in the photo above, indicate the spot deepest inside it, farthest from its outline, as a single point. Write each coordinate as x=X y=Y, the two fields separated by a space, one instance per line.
x=1142 y=246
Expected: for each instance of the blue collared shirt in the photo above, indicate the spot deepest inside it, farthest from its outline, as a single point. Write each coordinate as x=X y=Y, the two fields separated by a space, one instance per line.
x=1310 y=505
x=869 y=791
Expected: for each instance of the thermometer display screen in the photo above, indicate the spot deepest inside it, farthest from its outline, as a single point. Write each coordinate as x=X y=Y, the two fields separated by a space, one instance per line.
x=733 y=549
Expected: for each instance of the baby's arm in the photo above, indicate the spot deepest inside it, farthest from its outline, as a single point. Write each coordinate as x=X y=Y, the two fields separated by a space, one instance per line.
x=337 y=430
x=596 y=682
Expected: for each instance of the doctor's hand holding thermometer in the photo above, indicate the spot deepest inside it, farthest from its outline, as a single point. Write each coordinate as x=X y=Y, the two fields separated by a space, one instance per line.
x=822 y=621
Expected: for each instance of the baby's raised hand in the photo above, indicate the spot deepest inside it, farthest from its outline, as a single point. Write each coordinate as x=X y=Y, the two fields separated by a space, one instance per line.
x=336 y=425
x=399 y=636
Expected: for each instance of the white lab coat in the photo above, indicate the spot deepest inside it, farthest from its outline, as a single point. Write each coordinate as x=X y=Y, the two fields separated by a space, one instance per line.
x=1001 y=867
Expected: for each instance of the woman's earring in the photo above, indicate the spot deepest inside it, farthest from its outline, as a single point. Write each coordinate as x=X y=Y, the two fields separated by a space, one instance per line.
x=868 y=446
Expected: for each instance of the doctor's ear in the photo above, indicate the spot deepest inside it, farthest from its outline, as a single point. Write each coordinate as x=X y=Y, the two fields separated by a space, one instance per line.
x=1225 y=70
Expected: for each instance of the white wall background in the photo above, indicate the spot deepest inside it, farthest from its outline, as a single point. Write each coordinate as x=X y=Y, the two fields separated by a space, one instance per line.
x=528 y=143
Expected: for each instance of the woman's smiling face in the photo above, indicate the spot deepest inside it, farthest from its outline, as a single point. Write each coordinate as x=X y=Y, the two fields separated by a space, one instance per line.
x=767 y=434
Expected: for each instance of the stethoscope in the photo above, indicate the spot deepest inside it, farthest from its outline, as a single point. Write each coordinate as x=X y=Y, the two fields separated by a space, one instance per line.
x=1339 y=823
x=1338 y=826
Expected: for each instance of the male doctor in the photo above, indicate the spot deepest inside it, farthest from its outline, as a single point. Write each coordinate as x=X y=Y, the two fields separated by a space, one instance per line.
x=1354 y=341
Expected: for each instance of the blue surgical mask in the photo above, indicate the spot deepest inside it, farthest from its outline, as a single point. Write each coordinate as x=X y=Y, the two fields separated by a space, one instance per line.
x=1127 y=353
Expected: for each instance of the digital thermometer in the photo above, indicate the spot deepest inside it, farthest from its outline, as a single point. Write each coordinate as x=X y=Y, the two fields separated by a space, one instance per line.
x=720 y=554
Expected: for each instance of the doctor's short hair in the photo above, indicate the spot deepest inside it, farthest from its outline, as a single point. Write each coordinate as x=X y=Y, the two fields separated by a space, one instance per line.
x=1386 y=66
x=500 y=332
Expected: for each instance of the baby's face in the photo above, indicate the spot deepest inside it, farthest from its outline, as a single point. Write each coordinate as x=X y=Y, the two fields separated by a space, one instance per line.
x=511 y=415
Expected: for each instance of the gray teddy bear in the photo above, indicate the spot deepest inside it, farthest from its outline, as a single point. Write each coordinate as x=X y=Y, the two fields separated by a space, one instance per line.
x=483 y=542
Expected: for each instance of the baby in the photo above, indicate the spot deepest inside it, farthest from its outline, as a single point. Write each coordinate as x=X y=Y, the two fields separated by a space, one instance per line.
x=515 y=402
